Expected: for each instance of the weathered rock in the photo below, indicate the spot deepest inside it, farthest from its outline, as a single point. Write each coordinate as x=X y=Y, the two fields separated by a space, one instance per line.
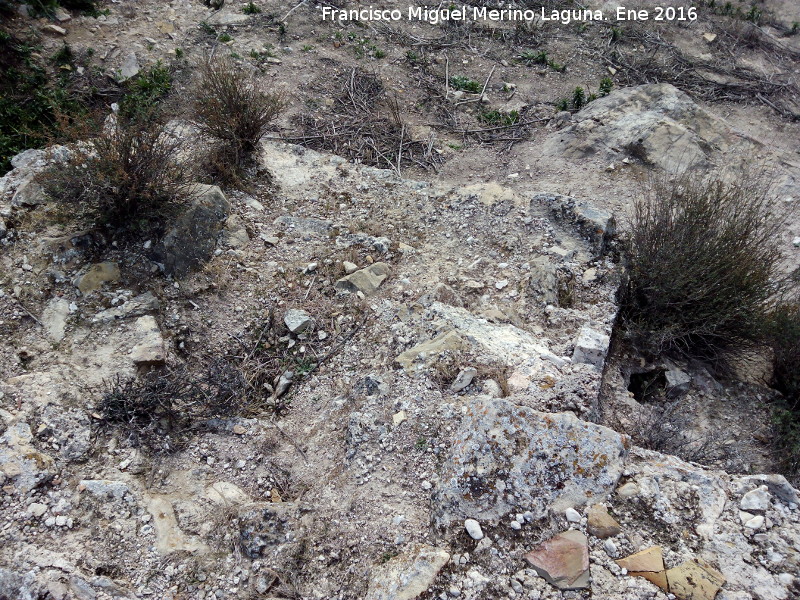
x=130 y=67
x=96 y=275
x=365 y=280
x=169 y=537
x=226 y=494
x=463 y=379
x=655 y=123
x=70 y=428
x=591 y=347
x=597 y=225
x=649 y=564
x=54 y=318
x=228 y=17
x=20 y=461
x=305 y=225
x=105 y=489
x=678 y=381
x=150 y=348
x=234 y=235
x=193 y=238
x=28 y=158
x=349 y=267
x=378 y=244
x=272 y=531
x=427 y=353
x=29 y=193
x=543 y=284
x=3 y=229
x=694 y=580
x=538 y=462
x=408 y=575
x=135 y=307
x=756 y=500
x=297 y=321
x=601 y=524
x=563 y=560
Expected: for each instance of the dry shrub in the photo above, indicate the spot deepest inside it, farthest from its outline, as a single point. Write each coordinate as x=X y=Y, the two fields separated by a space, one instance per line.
x=783 y=336
x=703 y=264
x=232 y=108
x=126 y=177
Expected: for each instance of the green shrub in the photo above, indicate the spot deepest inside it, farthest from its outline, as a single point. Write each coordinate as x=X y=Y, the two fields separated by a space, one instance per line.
x=250 y=9
x=145 y=91
x=233 y=108
x=703 y=265
x=459 y=82
x=496 y=117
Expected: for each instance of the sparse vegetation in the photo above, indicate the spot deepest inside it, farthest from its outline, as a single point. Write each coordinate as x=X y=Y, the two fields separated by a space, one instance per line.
x=145 y=91
x=465 y=84
x=234 y=109
x=703 y=264
x=127 y=180
x=496 y=117
x=250 y=9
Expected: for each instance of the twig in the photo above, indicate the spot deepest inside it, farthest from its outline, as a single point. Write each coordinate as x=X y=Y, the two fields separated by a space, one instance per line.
x=296 y=6
x=30 y=314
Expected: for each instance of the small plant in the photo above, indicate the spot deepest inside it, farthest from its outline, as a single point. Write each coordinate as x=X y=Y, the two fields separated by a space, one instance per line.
x=465 y=84
x=412 y=56
x=250 y=9
x=307 y=48
x=616 y=34
x=795 y=28
x=225 y=38
x=606 y=85
x=578 y=98
x=207 y=29
x=562 y=105
x=179 y=54
x=378 y=53
x=145 y=91
x=496 y=117
x=233 y=108
x=703 y=264
x=529 y=57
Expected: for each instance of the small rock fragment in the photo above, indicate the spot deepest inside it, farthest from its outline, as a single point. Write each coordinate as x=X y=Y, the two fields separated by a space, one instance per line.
x=563 y=560
x=297 y=321
x=473 y=529
x=601 y=524
x=756 y=500
x=463 y=379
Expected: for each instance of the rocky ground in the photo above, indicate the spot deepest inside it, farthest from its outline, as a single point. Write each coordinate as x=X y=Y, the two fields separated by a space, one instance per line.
x=447 y=412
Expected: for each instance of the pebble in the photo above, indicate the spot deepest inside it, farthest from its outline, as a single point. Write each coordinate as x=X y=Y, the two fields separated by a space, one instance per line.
x=796 y=242
x=473 y=529
x=610 y=547
x=573 y=516
x=757 y=500
x=515 y=525
x=37 y=509
x=756 y=522
x=501 y=284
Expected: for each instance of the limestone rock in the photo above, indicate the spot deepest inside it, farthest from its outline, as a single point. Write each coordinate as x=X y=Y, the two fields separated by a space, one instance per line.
x=655 y=123
x=365 y=280
x=20 y=461
x=305 y=225
x=69 y=428
x=135 y=307
x=694 y=580
x=538 y=462
x=54 y=318
x=297 y=321
x=648 y=563
x=150 y=348
x=563 y=560
x=97 y=274
x=380 y=245
x=463 y=379
x=597 y=225
x=756 y=500
x=678 y=381
x=427 y=353
x=228 y=17
x=130 y=67
x=591 y=347
x=234 y=235
x=601 y=524
x=105 y=489
x=349 y=267
x=408 y=575
x=473 y=529
x=272 y=531
x=29 y=193
x=193 y=238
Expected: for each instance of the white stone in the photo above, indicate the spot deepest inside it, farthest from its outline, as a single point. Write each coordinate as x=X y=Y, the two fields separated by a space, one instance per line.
x=297 y=321
x=756 y=522
x=473 y=529
x=591 y=347
x=756 y=500
x=573 y=516
x=610 y=547
x=37 y=509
